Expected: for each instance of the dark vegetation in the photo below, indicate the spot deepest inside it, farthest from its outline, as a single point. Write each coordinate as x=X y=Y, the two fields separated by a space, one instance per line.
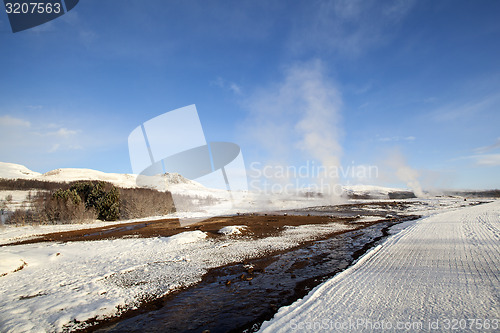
x=390 y=195
x=30 y=184
x=80 y=201
x=476 y=194
x=402 y=195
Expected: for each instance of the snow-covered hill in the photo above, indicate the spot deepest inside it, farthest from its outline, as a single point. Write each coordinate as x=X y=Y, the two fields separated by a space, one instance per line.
x=376 y=192
x=16 y=171
x=171 y=181
x=70 y=174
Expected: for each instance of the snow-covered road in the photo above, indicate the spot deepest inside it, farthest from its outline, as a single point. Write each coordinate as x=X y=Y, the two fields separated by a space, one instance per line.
x=441 y=274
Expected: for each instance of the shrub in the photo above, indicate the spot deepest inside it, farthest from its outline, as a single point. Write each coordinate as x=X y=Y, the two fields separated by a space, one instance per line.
x=19 y=217
x=63 y=206
x=141 y=202
x=87 y=200
x=30 y=184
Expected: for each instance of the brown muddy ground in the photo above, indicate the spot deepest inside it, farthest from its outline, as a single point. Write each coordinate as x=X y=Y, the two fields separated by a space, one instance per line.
x=257 y=226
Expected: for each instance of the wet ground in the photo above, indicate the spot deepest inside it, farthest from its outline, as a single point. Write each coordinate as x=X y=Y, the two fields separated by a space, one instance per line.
x=258 y=224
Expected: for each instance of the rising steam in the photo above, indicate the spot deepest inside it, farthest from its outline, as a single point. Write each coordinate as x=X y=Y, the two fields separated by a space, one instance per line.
x=298 y=119
x=404 y=172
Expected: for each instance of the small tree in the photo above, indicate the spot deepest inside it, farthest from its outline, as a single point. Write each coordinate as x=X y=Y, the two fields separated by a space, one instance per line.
x=108 y=205
x=101 y=196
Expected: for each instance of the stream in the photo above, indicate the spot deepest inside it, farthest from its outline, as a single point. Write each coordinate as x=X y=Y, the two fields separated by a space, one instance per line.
x=239 y=297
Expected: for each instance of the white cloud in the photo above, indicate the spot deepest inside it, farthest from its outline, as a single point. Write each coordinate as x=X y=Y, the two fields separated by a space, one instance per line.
x=225 y=84
x=54 y=148
x=348 y=27
x=464 y=111
x=34 y=107
x=8 y=121
x=487 y=159
x=397 y=139
x=219 y=82
x=235 y=88
x=23 y=137
x=481 y=157
x=63 y=132
x=495 y=145
x=47 y=140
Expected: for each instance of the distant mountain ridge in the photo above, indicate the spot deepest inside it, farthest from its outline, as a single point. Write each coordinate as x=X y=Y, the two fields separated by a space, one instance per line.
x=374 y=192
x=172 y=181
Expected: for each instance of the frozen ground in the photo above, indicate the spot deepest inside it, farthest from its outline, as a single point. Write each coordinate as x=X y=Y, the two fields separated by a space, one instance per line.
x=440 y=274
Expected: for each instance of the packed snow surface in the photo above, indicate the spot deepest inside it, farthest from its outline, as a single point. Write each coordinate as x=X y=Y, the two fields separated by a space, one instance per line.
x=440 y=274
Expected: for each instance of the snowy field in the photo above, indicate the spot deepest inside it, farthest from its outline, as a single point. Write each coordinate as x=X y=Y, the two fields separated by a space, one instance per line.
x=53 y=286
x=57 y=286
x=440 y=274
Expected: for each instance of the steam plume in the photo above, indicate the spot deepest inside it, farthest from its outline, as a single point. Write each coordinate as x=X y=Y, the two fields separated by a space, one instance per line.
x=404 y=172
x=298 y=117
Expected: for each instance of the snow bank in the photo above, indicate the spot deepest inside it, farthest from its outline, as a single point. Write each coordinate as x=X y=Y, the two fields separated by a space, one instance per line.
x=232 y=230
x=185 y=238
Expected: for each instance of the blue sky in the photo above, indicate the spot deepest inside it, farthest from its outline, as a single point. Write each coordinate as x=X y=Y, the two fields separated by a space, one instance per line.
x=403 y=85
